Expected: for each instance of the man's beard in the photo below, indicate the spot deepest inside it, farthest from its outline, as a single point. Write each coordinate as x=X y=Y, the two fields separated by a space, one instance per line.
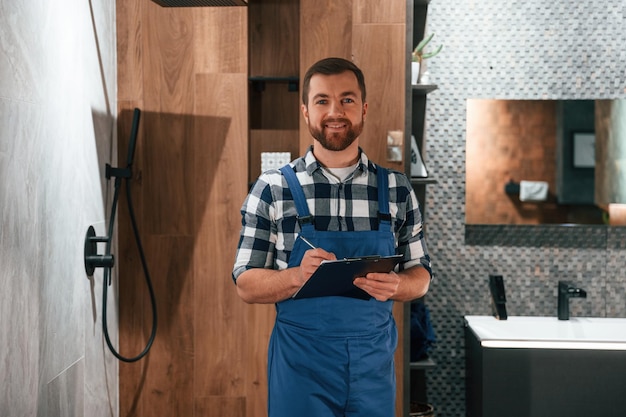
x=336 y=141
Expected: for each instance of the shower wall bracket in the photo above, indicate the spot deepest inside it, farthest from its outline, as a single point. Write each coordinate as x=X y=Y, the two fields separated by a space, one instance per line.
x=92 y=259
x=110 y=171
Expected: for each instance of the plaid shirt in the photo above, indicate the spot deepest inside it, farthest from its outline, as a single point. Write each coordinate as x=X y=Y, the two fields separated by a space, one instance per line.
x=269 y=216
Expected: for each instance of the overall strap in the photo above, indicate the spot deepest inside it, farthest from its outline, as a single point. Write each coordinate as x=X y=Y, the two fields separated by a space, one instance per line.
x=384 y=216
x=304 y=216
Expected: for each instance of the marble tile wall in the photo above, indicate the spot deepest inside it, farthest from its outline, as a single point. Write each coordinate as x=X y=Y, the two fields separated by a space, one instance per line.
x=57 y=131
x=528 y=49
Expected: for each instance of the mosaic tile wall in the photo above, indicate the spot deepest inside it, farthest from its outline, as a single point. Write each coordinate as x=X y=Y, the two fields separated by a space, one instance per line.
x=516 y=49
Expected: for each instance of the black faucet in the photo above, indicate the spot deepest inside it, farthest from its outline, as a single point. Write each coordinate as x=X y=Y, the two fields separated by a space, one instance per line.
x=567 y=290
x=498 y=297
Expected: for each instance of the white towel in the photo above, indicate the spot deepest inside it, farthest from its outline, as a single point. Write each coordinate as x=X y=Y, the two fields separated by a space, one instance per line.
x=533 y=191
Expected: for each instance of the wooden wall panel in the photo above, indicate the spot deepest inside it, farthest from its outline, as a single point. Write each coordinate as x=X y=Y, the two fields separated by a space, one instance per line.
x=325 y=30
x=169 y=191
x=387 y=12
x=169 y=376
x=129 y=51
x=186 y=68
x=274 y=36
x=379 y=51
x=219 y=171
x=219 y=406
x=168 y=59
x=218 y=43
x=260 y=323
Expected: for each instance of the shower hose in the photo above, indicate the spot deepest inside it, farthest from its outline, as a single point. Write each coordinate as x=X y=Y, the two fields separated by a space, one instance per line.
x=127 y=175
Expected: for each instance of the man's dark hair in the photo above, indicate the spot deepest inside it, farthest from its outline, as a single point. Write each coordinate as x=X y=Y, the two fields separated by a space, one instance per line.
x=331 y=66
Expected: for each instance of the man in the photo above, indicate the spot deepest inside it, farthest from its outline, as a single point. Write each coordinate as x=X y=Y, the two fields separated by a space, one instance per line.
x=331 y=356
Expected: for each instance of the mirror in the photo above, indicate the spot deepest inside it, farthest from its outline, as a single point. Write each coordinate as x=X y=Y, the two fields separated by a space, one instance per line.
x=533 y=162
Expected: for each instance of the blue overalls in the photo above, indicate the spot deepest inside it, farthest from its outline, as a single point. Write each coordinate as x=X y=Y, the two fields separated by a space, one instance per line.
x=333 y=356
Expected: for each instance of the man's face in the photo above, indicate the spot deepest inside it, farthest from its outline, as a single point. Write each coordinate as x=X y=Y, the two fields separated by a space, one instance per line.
x=335 y=112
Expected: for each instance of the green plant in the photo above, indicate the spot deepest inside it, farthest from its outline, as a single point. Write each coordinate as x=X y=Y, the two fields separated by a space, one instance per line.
x=419 y=55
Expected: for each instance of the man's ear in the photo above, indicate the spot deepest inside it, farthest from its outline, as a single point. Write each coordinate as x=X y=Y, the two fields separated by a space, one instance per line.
x=305 y=112
x=364 y=110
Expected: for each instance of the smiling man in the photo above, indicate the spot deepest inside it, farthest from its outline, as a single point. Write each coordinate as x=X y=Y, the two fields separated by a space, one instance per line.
x=331 y=356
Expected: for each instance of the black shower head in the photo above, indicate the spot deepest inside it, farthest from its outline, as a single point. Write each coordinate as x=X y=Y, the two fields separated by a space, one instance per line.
x=132 y=141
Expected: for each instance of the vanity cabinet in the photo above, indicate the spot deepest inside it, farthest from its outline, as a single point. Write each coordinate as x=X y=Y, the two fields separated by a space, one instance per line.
x=544 y=367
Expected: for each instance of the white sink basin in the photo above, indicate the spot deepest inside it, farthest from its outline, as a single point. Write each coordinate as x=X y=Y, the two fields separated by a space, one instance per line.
x=549 y=332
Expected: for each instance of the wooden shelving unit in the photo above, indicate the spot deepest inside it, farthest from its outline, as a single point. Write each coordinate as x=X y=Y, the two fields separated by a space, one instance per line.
x=416 y=99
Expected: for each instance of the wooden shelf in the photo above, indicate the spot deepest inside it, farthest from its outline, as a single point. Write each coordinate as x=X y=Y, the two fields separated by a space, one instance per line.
x=276 y=79
x=423 y=180
x=258 y=82
x=423 y=88
x=427 y=363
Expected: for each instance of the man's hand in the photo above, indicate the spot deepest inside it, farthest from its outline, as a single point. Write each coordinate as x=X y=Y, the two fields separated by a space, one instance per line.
x=405 y=285
x=311 y=261
x=381 y=286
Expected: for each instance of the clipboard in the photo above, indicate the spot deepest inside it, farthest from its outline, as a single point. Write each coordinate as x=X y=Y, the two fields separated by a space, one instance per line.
x=335 y=277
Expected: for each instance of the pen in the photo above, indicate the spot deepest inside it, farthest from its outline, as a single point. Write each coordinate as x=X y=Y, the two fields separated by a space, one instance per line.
x=307 y=242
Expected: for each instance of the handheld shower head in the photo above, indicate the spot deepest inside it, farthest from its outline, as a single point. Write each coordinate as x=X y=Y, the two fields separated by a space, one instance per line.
x=132 y=142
